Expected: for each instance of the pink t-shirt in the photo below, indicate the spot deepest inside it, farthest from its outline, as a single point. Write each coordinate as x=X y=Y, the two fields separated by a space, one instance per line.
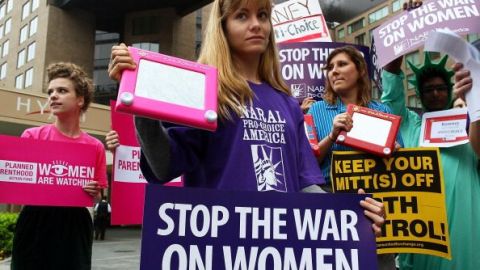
x=51 y=133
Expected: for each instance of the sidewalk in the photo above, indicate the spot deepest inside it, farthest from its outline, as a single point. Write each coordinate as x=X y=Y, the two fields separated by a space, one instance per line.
x=120 y=250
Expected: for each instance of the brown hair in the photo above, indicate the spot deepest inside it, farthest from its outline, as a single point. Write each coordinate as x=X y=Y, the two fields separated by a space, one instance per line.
x=83 y=84
x=364 y=85
x=233 y=91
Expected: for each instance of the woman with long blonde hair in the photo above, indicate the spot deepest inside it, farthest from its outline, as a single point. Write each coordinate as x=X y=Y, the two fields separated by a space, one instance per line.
x=260 y=144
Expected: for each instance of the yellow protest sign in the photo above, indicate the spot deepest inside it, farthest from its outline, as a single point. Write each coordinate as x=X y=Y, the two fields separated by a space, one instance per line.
x=410 y=184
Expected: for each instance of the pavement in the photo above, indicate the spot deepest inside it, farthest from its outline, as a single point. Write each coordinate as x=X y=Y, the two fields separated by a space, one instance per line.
x=120 y=250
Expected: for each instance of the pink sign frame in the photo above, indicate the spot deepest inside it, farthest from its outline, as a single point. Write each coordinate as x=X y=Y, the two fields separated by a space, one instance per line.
x=204 y=116
x=58 y=190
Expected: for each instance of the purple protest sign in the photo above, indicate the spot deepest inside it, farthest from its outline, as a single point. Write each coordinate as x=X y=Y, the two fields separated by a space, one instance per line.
x=302 y=63
x=184 y=227
x=409 y=29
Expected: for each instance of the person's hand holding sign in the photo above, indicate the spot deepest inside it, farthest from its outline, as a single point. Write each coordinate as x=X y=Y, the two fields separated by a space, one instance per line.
x=341 y=122
x=112 y=141
x=120 y=59
x=375 y=211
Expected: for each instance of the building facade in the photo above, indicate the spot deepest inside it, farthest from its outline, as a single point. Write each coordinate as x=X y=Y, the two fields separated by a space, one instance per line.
x=35 y=33
x=359 y=29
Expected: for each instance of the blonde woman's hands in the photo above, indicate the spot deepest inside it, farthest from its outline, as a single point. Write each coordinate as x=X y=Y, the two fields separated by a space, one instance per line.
x=375 y=211
x=112 y=140
x=93 y=189
x=120 y=59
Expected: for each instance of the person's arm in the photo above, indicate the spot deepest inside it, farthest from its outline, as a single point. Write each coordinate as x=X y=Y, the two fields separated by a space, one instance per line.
x=463 y=84
x=341 y=122
x=393 y=94
x=155 y=149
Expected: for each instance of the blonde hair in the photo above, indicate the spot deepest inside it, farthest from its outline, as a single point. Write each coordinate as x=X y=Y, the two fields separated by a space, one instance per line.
x=234 y=91
x=363 y=83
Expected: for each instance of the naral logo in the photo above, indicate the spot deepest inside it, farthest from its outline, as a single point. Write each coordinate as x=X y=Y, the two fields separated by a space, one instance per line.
x=298 y=90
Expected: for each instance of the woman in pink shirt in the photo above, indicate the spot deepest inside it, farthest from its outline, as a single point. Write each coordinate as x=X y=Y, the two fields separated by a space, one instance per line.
x=48 y=237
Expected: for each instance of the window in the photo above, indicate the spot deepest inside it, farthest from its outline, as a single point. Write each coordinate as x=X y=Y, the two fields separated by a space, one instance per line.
x=23 y=34
x=370 y=33
x=413 y=101
x=9 y=5
x=21 y=58
x=473 y=37
x=360 y=39
x=154 y=47
x=8 y=26
x=33 y=26
x=34 y=4
x=19 y=81
x=145 y=25
x=29 y=77
x=1 y=31
x=3 y=71
x=341 y=33
x=31 y=52
x=413 y=58
x=396 y=5
x=378 y=15
x=434 y=55
x=356 y=26
x=25 y=10
x=5 y=48
x=2 y=12
x=409 y=84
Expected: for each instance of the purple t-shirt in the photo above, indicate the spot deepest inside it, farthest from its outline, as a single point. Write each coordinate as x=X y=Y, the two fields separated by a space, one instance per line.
x=265 y=149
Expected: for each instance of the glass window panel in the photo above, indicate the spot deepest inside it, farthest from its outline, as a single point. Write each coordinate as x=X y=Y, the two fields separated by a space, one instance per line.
x=29 y=77
x=396 y=5
x=33 y=26
x=31 y=51
x=2 y=12
x=3 y=71
x=9 y=5
x=19 y=81
x=341 y=33
x=25 y=10
x=21 y=58
x=23 y=34
x=34 y=4
x=5 y=48
x=8 y=26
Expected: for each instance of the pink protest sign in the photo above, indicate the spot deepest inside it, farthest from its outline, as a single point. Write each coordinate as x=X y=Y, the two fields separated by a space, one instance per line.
x=38 y=172
x=128 y=185
x=170 y=89
x=408 y=30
